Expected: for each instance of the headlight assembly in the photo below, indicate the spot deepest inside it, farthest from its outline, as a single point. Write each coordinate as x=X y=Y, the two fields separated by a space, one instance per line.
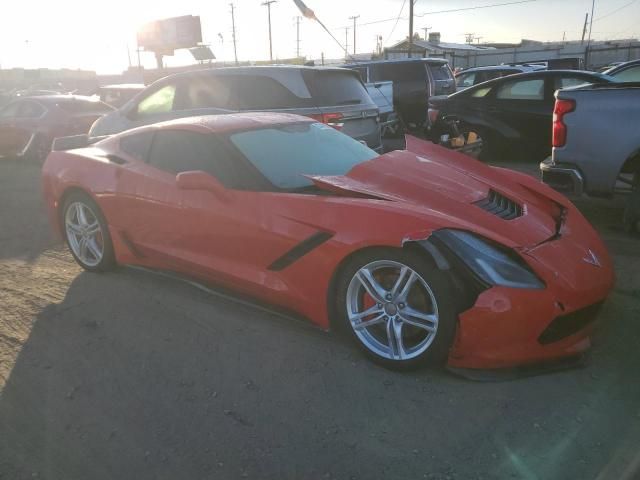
x=494 y=265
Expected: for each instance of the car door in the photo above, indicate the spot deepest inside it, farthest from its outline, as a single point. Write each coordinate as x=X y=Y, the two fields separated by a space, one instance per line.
x=217 y=235
x=9 y=139
x=522 y=107
x=19 y=126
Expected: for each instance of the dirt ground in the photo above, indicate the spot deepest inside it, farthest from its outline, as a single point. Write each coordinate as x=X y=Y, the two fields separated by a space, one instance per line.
x=128 y=375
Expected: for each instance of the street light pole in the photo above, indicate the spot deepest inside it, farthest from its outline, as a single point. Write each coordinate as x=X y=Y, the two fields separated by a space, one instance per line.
x=268 y=5
x=411 y=2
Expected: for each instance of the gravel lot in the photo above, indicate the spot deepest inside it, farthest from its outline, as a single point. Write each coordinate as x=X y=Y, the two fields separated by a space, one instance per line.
x=129 y=375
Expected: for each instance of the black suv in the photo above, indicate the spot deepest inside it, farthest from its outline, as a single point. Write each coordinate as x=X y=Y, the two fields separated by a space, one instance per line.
x=335 y=96
x=414 y=81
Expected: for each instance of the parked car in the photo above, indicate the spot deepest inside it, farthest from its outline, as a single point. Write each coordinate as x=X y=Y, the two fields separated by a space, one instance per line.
x=505 y=116
x=625 y=72
x=118 y=95
x=472 y=76
x=406 y=250
x=414 y=81
x=335 y=96
x=596 y=144
x=28 y=125
x=382 y=95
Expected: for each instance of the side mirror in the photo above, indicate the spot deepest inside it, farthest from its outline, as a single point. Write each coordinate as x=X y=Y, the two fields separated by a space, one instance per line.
x=197 y=180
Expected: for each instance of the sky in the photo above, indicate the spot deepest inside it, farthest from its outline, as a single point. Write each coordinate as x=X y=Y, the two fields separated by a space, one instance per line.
x=100 y=36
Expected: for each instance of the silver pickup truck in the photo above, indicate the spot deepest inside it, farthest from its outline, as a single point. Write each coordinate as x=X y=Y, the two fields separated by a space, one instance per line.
x=596 y=144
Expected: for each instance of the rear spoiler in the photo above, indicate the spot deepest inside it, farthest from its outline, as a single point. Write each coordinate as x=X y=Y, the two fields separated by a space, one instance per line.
x=75 y=141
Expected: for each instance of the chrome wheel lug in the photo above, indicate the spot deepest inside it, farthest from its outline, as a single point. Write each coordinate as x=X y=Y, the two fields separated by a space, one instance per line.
x=379 y=305
x=388 y=296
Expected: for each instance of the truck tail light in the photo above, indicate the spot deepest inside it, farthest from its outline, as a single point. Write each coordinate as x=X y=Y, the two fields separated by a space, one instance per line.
x=432 y=114
x=561 y=108
x=331 y=119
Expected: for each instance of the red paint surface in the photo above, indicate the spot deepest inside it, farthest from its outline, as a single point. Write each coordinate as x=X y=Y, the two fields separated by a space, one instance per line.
x=230 y=239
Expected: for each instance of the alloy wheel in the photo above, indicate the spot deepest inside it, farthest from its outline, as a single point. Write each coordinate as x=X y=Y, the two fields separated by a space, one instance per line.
x=84 y=233
x=392 y=310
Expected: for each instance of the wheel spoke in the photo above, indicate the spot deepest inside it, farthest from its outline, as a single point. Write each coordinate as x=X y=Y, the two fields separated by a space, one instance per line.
x=360 y=315
x=425 y=321
x=93 y=228
x=369 y=323
x=404 y=293
x=82 y=217
x=93 y=248
x=394 y=336
x=75 y=229
x=82 y=248
x=402 y=277
x=372 y=287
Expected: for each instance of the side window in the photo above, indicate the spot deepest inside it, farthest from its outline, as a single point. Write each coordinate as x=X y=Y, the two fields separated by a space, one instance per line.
x=466 y=79
x=209 y=91
x=631 y=74
x=440 y=72
x=480 y=92
x=176 y=151
x=137 y=145
x=11 y=110
x=522 y=90
x=569 y=82
x=257 y=92
x=160 y=101
x=363 y=73
x=31 y=110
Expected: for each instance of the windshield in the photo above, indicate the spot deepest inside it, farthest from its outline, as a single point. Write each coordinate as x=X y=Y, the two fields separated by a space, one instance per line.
x=285 y=154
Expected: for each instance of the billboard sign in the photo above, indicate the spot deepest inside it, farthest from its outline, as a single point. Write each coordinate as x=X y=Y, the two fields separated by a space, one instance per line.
x=165 y=36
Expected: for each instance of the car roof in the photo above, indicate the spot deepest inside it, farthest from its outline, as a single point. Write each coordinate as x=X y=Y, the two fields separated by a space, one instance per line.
x=49 y=99
x=254 y=69
x=224 y=123
x=440 y=61
x=532 y=75
x=622 y=66
x=495 y=67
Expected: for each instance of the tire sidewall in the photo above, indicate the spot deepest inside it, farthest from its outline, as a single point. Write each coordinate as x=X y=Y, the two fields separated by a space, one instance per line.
x=108 y=259
x=440 y=284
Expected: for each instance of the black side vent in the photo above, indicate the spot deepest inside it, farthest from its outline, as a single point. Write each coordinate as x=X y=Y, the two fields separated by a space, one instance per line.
x=567 y=325
x=499 y=205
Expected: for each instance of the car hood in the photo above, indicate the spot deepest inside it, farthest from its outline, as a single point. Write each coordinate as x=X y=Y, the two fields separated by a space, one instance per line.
x=449 y=188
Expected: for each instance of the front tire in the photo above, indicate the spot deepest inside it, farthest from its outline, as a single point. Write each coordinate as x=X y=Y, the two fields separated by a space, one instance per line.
x=87 y=233
x=397 y=307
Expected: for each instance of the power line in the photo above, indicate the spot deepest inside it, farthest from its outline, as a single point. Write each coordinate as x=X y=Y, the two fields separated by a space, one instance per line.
x=394 y=25
x=477 y=7
x=616 y=10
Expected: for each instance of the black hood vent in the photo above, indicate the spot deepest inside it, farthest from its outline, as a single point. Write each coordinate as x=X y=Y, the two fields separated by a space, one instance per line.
x=499 y=205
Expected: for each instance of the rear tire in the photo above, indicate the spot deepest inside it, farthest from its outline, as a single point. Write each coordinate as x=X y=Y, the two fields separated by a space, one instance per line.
x=397 y=308
x=87 y=233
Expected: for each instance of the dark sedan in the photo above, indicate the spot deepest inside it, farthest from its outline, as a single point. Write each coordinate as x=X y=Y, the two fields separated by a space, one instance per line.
x=509 y=116
x=28 y=125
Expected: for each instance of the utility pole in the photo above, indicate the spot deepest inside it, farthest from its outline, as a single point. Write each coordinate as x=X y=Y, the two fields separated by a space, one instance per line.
x=354 y=18
x=268 y=5
x=426 y=31
x=298 y=18
x=346 y=42
x=233 y=35
x=584 y=29
x=593 y=4
x=411 y=2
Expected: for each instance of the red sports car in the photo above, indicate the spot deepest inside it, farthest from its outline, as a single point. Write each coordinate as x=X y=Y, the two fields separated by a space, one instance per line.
x=423 y=255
